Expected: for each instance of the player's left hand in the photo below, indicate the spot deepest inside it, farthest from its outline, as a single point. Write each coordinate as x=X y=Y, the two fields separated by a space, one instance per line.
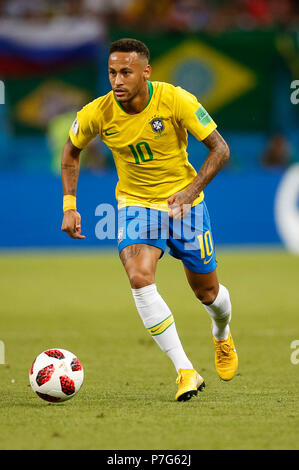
x=179 y=204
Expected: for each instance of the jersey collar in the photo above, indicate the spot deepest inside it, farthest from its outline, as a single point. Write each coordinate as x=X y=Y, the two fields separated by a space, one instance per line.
x=150 y=92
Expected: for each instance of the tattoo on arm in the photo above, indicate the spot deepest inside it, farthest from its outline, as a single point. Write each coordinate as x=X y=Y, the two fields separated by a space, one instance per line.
x=218 y=156
x=70 y=166
x=65 y=166
x=71 y=174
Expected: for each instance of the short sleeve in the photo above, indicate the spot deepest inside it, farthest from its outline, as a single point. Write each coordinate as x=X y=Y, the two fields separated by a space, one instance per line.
x=192 y=115
x=84 y=127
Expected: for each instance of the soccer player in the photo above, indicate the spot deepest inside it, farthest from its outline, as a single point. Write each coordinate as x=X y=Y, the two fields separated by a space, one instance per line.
x=145 y=125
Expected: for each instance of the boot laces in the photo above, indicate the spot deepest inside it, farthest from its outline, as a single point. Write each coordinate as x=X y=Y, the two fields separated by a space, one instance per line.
x=223 y=352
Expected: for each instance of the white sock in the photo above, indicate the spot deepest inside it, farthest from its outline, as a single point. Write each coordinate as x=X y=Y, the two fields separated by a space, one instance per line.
x=220 y=313
x=158 y=320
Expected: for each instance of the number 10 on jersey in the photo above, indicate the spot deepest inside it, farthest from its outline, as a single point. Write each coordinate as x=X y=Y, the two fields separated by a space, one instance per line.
x=142 y=152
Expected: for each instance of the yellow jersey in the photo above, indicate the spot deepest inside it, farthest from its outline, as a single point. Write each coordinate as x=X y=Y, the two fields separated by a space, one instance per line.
x=149 y=148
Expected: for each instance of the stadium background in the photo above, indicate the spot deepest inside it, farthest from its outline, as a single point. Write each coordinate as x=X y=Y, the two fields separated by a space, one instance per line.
x=239 y=58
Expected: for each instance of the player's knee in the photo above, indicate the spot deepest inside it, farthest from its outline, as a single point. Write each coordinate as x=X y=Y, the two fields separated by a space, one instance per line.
x=140 y=279
x=206 y=295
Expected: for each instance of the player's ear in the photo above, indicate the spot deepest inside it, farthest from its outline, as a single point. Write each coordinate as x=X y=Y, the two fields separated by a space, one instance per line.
x=147 y=71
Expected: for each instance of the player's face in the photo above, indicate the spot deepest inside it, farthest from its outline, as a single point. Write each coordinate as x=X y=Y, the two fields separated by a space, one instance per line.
x=128 y=73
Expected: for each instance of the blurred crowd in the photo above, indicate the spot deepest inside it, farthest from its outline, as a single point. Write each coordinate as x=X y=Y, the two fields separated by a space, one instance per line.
x=162 y=15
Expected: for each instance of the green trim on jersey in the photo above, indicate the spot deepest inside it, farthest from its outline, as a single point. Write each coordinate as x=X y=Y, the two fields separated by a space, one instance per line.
x=150 y=91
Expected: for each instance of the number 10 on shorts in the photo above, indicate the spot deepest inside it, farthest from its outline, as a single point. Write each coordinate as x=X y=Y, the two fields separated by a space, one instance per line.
x=205 y=244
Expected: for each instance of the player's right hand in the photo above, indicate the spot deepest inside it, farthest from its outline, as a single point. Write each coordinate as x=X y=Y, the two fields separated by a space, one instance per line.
x=71 y=224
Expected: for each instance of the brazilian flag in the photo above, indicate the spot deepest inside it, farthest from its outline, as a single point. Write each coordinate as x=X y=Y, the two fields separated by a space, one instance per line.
x=232 y=74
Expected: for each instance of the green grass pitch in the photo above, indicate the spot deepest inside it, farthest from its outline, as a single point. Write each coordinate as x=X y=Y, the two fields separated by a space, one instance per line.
x=83 y=303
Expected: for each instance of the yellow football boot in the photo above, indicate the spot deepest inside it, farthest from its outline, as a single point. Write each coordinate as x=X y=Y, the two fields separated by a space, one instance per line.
x=189 y=382
x=226 y=358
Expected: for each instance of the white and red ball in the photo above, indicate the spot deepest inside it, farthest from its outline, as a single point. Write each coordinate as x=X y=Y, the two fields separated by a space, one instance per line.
x=56 y=375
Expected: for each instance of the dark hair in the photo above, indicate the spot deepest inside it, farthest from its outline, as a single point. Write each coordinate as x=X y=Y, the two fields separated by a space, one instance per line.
x=130 y=45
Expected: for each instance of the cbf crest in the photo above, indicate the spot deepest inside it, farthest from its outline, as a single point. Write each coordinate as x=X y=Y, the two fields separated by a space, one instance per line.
x=157 y=125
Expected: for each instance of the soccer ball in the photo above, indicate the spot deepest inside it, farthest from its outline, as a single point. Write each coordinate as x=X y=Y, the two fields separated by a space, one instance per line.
x=56 y=375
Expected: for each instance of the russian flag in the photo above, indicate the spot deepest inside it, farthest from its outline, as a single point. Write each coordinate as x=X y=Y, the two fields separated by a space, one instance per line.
x=36 y=49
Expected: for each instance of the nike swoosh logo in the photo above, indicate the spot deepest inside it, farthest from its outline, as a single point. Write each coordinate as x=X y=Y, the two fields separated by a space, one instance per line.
x=110 y=133
x=207 y=261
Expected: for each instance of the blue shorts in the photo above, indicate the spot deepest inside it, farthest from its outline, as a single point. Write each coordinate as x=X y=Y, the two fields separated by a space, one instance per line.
x=188 y=239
